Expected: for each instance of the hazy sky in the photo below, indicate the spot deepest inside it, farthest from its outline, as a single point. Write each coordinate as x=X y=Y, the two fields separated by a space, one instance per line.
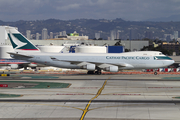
x=133 y=10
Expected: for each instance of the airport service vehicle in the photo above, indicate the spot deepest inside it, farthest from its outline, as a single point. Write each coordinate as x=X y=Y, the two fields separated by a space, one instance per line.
x=94 y=63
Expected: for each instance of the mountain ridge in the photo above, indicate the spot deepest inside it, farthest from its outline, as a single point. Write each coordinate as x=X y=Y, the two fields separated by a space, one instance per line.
x=91 y=26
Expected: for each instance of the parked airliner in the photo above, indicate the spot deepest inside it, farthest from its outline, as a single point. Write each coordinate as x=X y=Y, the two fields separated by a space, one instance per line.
x=17 y=64
x=94 y=63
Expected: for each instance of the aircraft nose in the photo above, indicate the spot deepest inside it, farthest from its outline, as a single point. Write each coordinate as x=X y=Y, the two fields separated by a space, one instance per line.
x=171 y=62
x=168 y=62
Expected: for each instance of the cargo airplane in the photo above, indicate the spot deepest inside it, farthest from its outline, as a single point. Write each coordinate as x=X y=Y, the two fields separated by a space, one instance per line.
x=94 y=63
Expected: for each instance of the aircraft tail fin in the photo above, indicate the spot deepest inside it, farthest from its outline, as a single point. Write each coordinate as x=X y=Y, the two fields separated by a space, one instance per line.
x=19 y=42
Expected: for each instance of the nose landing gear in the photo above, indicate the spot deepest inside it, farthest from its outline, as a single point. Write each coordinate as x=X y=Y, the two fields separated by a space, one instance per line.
x=155 y=73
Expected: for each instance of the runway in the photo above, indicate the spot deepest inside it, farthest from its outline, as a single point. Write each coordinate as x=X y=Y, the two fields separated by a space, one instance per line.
x=89 y=97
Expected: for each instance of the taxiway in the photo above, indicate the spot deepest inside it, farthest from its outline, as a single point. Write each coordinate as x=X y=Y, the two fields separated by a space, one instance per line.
x=88 y=97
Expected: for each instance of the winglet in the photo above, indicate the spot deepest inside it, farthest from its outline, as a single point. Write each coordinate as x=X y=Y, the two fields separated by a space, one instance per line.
x=19 y=42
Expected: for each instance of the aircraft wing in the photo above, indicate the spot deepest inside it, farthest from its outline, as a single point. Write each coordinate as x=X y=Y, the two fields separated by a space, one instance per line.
x=19 y=55
x=99 y=64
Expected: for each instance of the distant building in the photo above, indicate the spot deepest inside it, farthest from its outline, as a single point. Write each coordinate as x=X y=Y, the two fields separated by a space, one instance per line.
x=60 y=34
x=108 y=38
x=38 y=36
x=44 y=34
x=118 y=34
x=168 y=37
x=28 y=34
x=97 y=36
x=171 y=47
x=51 y=35
x=64 y=33
x=133 y=34
x=175 y=35
x=33 y=36
x=70 y=36
x=113 y=35
x=75 y=36
x=148 y=34
x=121 y=35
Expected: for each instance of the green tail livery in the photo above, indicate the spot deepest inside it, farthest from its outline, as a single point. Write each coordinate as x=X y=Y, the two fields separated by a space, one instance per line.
x=19 y=42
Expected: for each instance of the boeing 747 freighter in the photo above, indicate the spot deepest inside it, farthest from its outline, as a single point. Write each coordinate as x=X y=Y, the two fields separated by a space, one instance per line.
x=94 y=63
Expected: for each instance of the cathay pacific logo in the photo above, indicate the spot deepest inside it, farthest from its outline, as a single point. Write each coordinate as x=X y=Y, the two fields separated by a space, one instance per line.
x=18 y=43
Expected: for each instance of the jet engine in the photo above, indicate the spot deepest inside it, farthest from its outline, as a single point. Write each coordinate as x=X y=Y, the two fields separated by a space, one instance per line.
x=89 y=66
x=32 y=65
x=111 y=69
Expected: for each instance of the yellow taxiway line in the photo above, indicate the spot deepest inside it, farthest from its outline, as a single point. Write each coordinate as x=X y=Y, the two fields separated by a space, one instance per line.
x=89 y=103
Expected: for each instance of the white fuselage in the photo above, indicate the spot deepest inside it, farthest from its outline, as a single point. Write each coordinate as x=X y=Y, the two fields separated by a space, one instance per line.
x=128 y=60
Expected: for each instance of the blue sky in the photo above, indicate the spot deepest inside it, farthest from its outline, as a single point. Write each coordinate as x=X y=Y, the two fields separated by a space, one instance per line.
x=133 y=10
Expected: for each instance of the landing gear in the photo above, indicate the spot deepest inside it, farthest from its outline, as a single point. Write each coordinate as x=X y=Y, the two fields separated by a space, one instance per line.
x=90 y=72
x=25 y=68
x=33 y=67
x=97 y=71
x=155 y=73
x=94 y=72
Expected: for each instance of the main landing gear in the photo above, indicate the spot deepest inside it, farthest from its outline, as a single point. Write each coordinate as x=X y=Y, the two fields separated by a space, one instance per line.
x=97 y=71
x=94 y=72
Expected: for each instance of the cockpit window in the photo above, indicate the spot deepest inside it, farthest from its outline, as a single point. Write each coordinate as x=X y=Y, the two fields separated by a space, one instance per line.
x=162 y=58
x=160 y=53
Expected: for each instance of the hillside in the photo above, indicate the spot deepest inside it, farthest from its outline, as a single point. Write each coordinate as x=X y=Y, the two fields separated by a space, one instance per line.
x=91 y=26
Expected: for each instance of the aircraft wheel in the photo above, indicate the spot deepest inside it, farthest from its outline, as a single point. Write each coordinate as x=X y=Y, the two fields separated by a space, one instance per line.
x=99 y=72
x=155 y=73
x=90 y=72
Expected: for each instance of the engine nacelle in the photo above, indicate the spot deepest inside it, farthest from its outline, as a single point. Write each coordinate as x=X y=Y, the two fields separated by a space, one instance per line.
x=112 y=69
x=89 y=66
x=32 y=65
x=14 y=66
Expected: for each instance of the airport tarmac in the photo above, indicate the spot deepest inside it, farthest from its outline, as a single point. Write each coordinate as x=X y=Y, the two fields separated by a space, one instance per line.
x=90 y=97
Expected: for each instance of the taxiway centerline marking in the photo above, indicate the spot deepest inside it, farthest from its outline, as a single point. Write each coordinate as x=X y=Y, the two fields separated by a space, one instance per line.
x=89 y=103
